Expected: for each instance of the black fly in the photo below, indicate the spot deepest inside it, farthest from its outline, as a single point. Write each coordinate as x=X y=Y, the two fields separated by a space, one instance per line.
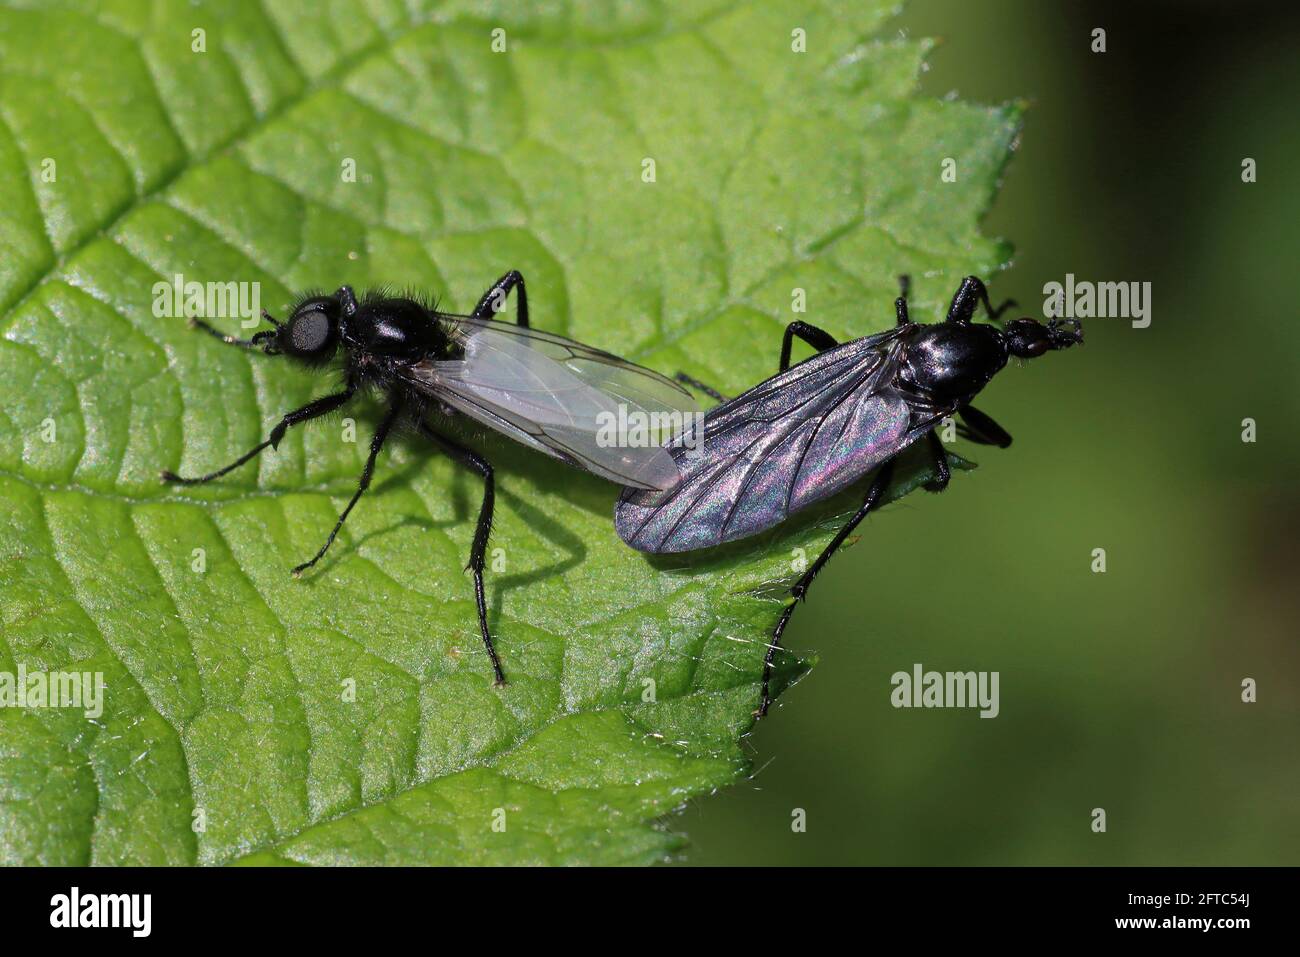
x=817 y=427
x=545 y=391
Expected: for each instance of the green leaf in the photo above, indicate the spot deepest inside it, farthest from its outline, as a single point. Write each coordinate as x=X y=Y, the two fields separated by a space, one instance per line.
x=225 y=701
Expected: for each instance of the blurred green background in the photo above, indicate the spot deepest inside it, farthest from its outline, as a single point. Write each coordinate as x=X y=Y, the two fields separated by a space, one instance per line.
x=1119 y=690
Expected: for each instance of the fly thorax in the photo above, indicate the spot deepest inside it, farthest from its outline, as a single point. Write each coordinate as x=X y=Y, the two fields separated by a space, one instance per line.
x=952 y=361
x=396 y=328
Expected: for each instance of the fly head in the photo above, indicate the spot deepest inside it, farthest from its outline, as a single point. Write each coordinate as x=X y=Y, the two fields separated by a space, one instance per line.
x=311 y=334
x=1029 y=338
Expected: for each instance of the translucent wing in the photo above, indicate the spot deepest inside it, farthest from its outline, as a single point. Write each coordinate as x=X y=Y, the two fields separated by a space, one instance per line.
x=795 y=439
x=581 y=405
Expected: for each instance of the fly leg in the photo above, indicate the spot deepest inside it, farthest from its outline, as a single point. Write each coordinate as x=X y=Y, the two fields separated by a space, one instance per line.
x=376 y=443
x=819 y=339
x=312 y=410
x=800 y=589
x=980 y=428
x=970 y=294
x=494 y=300
x=478 y=549
x=708 y=390
x=939 y=457
x=900 y=304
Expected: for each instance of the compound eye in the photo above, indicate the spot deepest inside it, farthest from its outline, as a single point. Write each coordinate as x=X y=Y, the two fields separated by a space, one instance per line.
x=310 y=331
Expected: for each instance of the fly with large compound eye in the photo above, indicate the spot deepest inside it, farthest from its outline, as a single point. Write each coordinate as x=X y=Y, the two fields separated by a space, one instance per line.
x=545 y=391
x=815 y=428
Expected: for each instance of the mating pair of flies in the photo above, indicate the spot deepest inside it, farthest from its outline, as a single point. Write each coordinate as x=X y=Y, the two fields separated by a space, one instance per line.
x=810 y=431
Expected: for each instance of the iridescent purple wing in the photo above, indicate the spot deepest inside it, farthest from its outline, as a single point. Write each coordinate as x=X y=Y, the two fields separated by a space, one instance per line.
x=797 y=438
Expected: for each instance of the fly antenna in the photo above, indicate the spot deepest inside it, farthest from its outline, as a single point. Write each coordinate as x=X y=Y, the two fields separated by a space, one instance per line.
x=231 y=340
